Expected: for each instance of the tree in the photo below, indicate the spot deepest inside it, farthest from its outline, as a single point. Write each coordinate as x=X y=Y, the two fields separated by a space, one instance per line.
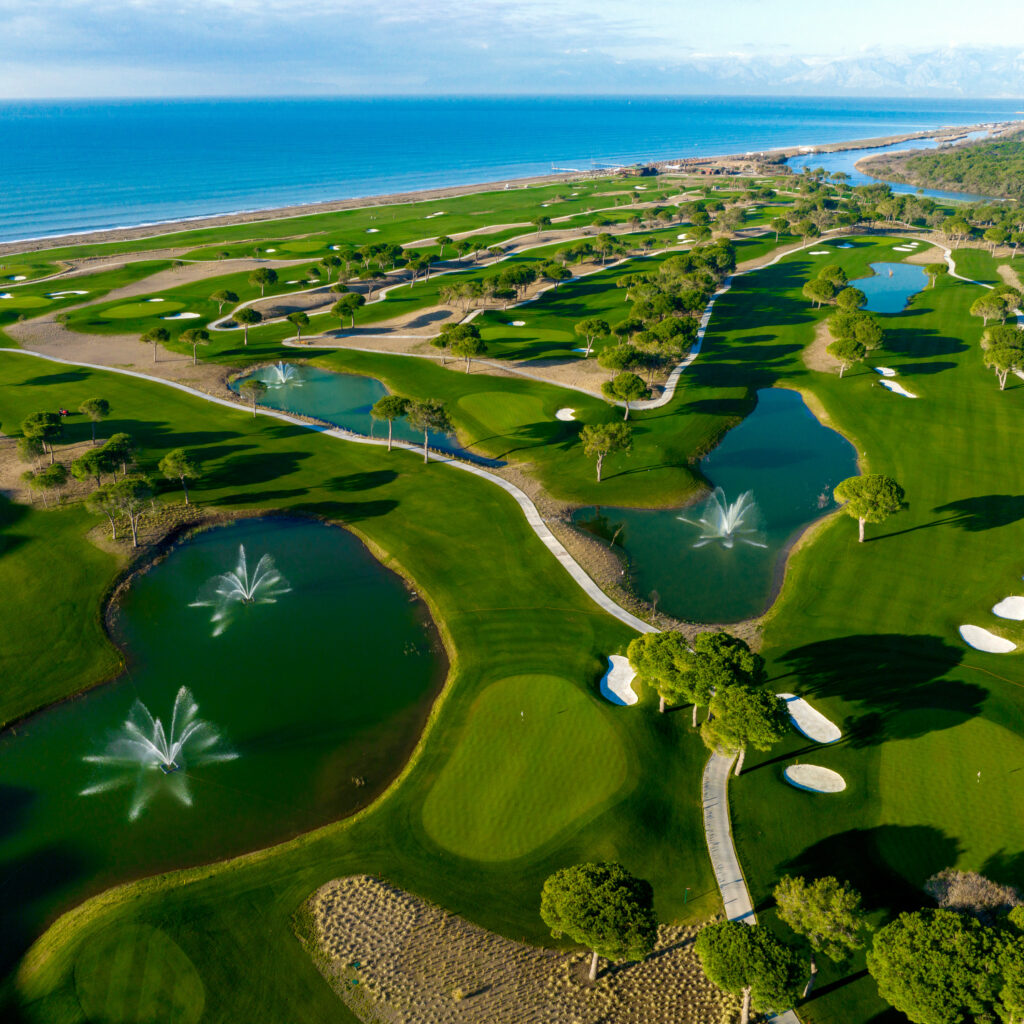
x=390 y=408
x=443 y=241
x=96 y=409
x=750 y=962
x=45 y=427
x=555 y=273
x=996 y=236
x=178 y=464
x=120 y=448
x=871 y=498
x=298 y=320
x=261 y=277
x=132 y=496
x=662 y=661
x=967 y=892
x=626 y=387
x=247 y=317
x=846 y=352
x=834 y=274
x=347 y=305
x=102 y=502
x=1004 y=360
x=90 y=464
x=827 y=913
x=934 y=271
x=605 y=439
x=603 y=907
x=156 y=336
x=851 y=299
x=30 y=448
x=427 y=415
x=818 y=291
x=195 y=336
x=221 y=297
x=778 y=225
x=721 y=659
x=938 y=967
x=540 y=223
x=740 y=717
x=52 y=478
x=467 y=343
x=591 y=329
x=988 y=307
x=255 y=389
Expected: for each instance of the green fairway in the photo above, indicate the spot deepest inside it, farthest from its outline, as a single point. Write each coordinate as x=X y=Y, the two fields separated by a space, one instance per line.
x=489 y=803
x=147 y=309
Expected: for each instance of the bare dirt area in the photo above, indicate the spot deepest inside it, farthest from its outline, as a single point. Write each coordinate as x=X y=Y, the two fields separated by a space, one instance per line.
x=933 y=254
x=394 y=958
x=816 y=355
x=1010 y=276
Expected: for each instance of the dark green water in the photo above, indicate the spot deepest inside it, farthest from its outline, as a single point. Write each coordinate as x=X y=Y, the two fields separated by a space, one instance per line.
x=789 y=461
x=330 y=684
x=892 y=286
x=345 y=399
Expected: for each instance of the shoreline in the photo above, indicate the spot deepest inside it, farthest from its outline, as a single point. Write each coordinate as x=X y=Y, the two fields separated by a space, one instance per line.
x=680 y=166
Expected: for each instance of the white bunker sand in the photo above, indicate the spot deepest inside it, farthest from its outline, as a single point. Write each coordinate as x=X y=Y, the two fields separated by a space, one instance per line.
x=6 y=295
x=814 y=778
x=154 y=300
x=897 y=389
x=818 y=252
x=372 y=231
x=982 y=640
x=813 y=724
x=270 y=250
x=518 y=323
x=570 y=414
x=62 y=295
x=181 y=316
x=616 y=686
x=18 y=277
x=885 y=371
x=1010 y=608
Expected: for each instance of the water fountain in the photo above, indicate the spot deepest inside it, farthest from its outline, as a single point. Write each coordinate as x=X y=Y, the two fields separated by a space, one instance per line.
x=144 y=753
x=726 y=523
x=226 y=592
x=280 y=374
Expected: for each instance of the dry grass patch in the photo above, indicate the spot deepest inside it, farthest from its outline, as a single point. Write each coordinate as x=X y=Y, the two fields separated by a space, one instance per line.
x=394 y=959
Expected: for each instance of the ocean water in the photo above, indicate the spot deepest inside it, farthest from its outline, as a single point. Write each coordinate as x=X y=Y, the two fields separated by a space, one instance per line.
x=73 y=166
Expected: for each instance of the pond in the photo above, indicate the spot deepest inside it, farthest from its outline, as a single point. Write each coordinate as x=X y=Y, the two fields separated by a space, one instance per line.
x=313 y=695
x=788 y=462
x=845 y=161
x=343 y=399
x=891 y=286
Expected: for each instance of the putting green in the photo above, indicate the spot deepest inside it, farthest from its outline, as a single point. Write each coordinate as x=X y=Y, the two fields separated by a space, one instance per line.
x=131 y=310
x=138 y=974
x=503 y=412
x=490 y=802
x=19 y=301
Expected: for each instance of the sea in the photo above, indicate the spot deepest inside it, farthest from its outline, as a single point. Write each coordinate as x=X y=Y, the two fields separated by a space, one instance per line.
x=71 y=166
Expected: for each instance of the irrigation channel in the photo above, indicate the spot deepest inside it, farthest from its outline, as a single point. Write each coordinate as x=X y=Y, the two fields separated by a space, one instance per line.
x=722 y=561
x=309 y=677
x=344 y=400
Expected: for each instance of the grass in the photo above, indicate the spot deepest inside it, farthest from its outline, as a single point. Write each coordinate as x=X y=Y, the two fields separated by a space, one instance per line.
x=486 y=804
x=520 y=617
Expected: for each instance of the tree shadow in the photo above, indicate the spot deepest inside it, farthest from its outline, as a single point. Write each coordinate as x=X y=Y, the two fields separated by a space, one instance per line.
x=361 y=481
x=66 y=377
x=986 y=512
x=350 y=512
x=864 y=858
x=896 y=680
x=258 y=468
x=1005 y=867
x=924 y=369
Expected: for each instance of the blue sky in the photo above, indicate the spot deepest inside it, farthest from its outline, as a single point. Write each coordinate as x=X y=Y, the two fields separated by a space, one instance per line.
x=280 y=47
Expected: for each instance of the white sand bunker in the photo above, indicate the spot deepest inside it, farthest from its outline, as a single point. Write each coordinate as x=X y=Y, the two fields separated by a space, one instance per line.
x=6 y=295
x=63 y=295
x=843 y=245
x=814 y=778
x=181 y=316
x=683 y=237
x=813 y=724
x=18 y=277
x=1010 y=608
x=913 y=245
x=334 y=248
x=885 y=371
x=293 y=282
x=154 y=300
x=897 y=389
x=518 y=323
x=982 y=640
x=818 y=252
x=570 y=414
x=616 y=684
x=902 y=248
x=372 y=231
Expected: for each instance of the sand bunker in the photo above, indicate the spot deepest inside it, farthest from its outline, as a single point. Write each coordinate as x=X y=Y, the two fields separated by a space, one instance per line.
x=18 y=277
x=814 y=778
x=518 y=323
x=844 y=245
x=63 y=295
x=6 y=295
x=570 y=414
x=902 y=248
x=897 y=389
x=616 y=685
x=1010 y=608
x=181 y=316
x=683 y=237
x=372 y=231
x=982 y=640
x=818 y=252
x=154 y=300
x=813 y=724
x=270 y=250
x=885 y=371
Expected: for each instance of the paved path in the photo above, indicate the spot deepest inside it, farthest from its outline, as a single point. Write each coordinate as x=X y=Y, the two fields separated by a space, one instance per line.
x=718 y=832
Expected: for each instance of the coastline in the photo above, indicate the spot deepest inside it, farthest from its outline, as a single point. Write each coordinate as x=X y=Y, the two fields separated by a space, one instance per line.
x=681 y=166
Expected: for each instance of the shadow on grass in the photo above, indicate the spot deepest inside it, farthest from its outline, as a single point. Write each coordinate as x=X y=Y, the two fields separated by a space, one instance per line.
x=896 y=680
x=67 y=377
x=987 y=512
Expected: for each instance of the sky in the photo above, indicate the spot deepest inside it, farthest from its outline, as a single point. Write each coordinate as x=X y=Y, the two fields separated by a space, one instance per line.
x=81 y=48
